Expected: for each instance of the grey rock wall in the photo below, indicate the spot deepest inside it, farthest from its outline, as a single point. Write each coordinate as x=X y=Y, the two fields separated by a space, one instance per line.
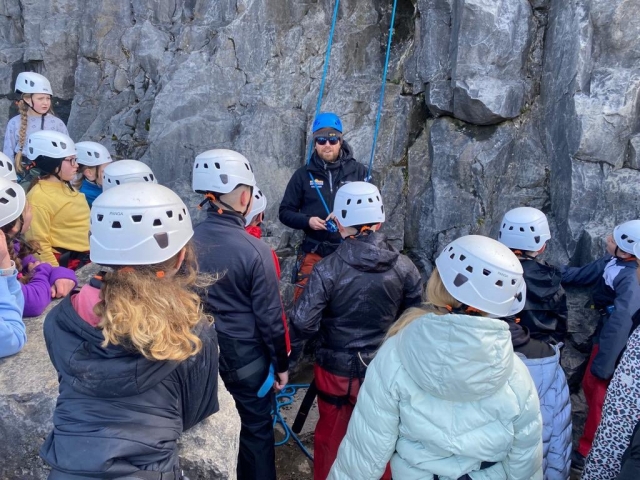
x=489 y=104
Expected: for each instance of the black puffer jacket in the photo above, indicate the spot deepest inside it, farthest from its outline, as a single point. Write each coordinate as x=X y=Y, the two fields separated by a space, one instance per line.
x=545 y=311
x=352 y=298
x=118 y=412
x=301 y=200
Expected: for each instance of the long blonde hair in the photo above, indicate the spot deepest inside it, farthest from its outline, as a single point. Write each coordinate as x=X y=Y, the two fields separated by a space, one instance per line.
x=439 y=301
x=152 y=313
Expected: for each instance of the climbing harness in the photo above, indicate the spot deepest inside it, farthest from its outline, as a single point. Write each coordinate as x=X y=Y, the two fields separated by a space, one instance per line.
x=285 y=398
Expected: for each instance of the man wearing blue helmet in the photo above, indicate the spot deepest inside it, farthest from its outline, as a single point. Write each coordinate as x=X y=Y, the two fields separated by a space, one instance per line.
x=331 y=166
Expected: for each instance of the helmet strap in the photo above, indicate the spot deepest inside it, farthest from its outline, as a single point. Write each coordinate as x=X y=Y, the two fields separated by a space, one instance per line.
x=211 y=198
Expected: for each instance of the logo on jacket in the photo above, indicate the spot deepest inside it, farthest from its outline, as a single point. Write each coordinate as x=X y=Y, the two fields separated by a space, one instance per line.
x=315 y=183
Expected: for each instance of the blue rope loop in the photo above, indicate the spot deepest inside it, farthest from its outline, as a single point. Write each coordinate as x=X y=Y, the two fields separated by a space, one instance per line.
x=285 y=398
x=381 y=100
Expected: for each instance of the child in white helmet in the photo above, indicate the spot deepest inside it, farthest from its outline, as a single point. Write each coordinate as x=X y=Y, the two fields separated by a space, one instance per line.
x=92 y=160
x=12 y=329
x=620 y=415
x=7 y=170
x=60 y=222
x=253 y=227
x=616 y=296
x=352 y=298
x=126 y=171
x=245 y=303
x=525 y=231
x=538 y=331
x=36 y=113
x=446 y=396
x=136 y=358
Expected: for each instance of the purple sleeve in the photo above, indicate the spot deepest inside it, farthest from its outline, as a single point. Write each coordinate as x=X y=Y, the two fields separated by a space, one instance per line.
x=37 y=293
x=61 y=272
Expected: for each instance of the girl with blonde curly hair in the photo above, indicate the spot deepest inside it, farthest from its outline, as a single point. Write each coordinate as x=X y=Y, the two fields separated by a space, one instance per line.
x=136 y=357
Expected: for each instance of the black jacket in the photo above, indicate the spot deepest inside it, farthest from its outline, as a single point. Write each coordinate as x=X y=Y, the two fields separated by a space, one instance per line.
x=526 y=345
x=301 y=200
x=245 y=301
x=352 y=298
x=545 y=311
x=631 y=458
x=116 y=409
x=615 y=287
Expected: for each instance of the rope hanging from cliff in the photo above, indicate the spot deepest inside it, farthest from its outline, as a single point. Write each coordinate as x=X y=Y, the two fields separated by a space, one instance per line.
x=327 y=56
x=384 y=81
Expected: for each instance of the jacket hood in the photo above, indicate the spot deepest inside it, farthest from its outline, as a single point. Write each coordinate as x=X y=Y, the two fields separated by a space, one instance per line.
x=76 y=352
x=543 y=280
x=369 y=253
x=543 y=371
x=345 y=155
x=457 y=357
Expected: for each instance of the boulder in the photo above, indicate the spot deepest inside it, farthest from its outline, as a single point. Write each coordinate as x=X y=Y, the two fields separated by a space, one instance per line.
x=28 y=393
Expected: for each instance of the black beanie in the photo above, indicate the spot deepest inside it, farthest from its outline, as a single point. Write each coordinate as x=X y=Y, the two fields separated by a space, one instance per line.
x=48 y=164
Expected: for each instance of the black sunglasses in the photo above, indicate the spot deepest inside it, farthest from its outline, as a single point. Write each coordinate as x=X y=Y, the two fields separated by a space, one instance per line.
x=324 y=140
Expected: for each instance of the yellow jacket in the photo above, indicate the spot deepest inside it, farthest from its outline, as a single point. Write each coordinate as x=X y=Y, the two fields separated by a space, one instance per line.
x=60 y=219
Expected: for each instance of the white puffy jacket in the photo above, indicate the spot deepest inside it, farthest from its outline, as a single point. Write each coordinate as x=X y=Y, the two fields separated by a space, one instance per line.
x=442 y=396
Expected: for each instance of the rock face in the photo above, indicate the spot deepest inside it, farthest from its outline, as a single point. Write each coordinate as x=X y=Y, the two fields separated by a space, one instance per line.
x=489 y=105
x=28 y=393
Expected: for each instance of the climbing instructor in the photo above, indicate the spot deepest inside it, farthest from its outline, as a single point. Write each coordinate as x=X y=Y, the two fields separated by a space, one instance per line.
x=331 y=166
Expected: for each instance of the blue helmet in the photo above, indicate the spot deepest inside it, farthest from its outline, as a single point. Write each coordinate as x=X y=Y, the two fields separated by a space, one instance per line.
x=327 y=120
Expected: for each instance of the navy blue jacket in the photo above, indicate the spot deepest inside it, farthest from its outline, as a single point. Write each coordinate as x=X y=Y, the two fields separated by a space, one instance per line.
x=118 y=412
x=352 y=298
x=615 y=285
x=301 y=200
x=245 y=301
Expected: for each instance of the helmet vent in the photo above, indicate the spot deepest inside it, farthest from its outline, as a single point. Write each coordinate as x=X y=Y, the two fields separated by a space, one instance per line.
x=117 y=182
x=344 y=213
x=382 y=208
x=217 y=165
x=206 y=165
x=136 y=218
x=377 y=198
x=536 y=239
x=224 y=178
x=54 y=144
x=452 y=256
x=460 y=280
x=11 y=192
x=151 y=176
x=623 y=236
x=146 y=179
x=519 y=296
x=63 y=145
x=371 y=200
x=513 y=281
x=170 y=213
x=359 y=201
x=116 y=225
x=162 y=239
x=462 y=258
x=511 y=227
x=499 y=283
x=179 y=217
x=157 y=222
x=4 y=201
x=100 y=217
x=348 y=201
x=469 y=269
x=486 y=272
x=522 y=229
x=532 y=228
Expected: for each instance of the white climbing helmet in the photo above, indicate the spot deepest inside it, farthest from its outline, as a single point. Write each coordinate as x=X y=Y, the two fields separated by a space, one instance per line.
x=50 y=144
x=483 y=273
x=221 y=171
x=258 y=206
x=138 y=224
x=92 y=154
x=12 y=201
x=126 y=171
x=358 y=203
x=7 y=170
x=524 y=228
x=31 y=82
x=626 y=235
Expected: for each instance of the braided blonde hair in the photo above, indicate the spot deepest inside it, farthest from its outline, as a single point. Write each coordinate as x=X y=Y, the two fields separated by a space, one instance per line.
x=22 y=137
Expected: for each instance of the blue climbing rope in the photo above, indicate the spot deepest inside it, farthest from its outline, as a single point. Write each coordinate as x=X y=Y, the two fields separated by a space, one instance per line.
x=384 y=81
x=327 y=56
x=284 y=398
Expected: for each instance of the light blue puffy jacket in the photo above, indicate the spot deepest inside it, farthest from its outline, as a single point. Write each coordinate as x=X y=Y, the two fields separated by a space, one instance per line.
x=555 y=406
x=442 y=396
